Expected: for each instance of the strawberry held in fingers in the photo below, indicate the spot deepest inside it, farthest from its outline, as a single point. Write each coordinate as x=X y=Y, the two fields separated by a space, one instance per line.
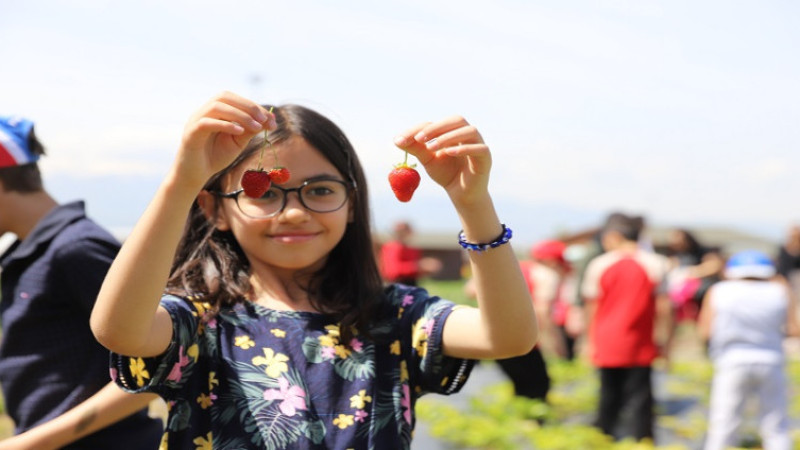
x=404 y=180
x=255 y=182
x=279 y=175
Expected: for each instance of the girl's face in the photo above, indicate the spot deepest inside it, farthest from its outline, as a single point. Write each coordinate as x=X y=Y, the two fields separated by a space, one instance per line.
x=295 y=238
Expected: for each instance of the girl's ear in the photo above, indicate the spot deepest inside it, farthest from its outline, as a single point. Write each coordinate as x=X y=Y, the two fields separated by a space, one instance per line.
x=208 y=203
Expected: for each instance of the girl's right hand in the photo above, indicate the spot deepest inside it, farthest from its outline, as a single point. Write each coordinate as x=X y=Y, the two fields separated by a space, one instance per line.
x=216 y=134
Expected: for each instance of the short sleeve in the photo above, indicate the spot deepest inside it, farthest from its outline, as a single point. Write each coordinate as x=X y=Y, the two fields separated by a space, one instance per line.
x=169 y=372
x=421 y=323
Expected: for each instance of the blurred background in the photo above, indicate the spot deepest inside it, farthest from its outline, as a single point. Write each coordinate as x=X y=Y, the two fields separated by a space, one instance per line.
x=682 y=112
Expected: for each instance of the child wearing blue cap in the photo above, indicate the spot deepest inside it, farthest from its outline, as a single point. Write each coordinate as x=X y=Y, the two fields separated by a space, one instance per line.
x=53 y=373
x=745 y=318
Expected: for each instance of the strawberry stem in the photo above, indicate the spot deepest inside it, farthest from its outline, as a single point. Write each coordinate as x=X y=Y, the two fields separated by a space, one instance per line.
x=266 y=143
x=405 y=159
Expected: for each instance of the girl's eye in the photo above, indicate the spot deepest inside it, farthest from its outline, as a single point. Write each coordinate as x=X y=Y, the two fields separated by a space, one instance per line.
x=319 y=191
x=271 y=194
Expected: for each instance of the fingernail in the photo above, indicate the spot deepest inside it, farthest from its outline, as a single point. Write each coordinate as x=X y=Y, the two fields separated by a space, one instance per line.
x=431 y=145
x=260 y=116
x=400 y=141
x=420 y=137
x=255 y=125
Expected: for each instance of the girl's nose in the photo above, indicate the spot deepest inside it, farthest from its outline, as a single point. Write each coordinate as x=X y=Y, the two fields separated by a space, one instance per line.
x=294 y=211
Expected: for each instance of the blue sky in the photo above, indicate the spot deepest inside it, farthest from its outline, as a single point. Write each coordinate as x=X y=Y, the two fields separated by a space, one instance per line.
x=683 y=111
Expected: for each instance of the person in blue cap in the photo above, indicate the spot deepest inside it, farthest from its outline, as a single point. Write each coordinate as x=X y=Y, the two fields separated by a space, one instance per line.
x=745 y=318
x=53 y=373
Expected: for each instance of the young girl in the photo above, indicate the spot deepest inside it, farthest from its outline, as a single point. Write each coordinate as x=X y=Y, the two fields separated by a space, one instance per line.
x=275 y=330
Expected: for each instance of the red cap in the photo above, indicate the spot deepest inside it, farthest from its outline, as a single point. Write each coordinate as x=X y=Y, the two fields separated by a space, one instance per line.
x=549 y=249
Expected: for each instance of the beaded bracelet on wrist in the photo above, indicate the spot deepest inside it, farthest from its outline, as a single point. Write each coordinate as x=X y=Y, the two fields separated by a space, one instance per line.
x=504 y=237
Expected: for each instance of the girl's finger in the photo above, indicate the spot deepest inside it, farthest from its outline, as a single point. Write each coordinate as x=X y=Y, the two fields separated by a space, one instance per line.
x=436 y=129
x=464 y=135
x=406 y=138
x=223 y=111
x=256 y=111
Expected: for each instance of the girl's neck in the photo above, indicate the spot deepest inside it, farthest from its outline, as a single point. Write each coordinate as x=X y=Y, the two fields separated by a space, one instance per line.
x=280 y=291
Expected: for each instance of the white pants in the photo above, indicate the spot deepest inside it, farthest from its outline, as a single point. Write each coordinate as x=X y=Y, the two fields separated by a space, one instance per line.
x=731 y=387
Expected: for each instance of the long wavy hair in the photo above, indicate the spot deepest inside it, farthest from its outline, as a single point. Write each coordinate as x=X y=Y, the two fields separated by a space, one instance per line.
x=210 y=263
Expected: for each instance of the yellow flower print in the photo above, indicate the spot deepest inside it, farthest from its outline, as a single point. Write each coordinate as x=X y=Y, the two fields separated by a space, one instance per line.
x=343 y=421
x=277 y=332
x=193 y=351
x=275 y=362
x=419 y=337
x=342 y=351
x=359 y=401
x=203 y=443
x=243 y=342
x=205 y=400
x=139 y=371
x=400 y=312
x=327 y=341
x=333 y=330
x=394 y=348
x=212 y=380
x=403 y=371
x=201 y=307
x=164 y=439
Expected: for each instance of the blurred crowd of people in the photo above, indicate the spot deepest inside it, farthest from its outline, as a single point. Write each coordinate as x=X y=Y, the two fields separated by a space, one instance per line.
x=618 y=300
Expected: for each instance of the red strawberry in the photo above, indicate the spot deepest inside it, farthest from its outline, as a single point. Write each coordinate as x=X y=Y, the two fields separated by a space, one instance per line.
x=255 y=182
x=404 y=180
x=279 y=175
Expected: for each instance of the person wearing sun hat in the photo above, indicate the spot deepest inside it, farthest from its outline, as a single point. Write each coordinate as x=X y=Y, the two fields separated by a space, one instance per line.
x=53 y=373
x=745 y=319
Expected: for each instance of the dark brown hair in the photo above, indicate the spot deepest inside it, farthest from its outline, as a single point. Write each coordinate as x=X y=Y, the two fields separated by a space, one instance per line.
x=210 y=262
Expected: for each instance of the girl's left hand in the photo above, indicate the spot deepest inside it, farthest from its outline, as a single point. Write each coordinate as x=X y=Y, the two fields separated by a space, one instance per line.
x=453 y=154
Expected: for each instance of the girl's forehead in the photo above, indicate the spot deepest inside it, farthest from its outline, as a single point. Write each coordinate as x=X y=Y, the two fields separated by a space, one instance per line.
x=301 y=158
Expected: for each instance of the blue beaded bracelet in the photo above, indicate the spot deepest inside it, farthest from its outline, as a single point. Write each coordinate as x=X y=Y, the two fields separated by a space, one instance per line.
x=504 y=237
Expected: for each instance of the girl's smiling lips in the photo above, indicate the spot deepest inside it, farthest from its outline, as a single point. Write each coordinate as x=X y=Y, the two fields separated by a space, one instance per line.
x=293 y=237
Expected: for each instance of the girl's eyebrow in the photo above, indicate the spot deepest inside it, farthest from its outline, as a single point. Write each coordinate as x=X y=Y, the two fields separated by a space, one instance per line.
x=324 y=176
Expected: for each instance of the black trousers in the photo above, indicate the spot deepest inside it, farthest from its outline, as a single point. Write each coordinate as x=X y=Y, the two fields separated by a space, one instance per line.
x=626 y=402
x=528 y=373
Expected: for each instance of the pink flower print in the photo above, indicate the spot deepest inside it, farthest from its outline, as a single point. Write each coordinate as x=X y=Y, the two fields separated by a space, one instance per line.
x=429 y=327
x=406 y=403
x=361 y=415
x=356 y=345
x=408 y=299
x=328 y=352
x=293 y=397
x=177 y=370
x=212 y=323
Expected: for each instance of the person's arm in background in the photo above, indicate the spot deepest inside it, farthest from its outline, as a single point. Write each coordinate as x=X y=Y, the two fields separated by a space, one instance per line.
x=706 y=317
x=108 y=406
x=792 y=325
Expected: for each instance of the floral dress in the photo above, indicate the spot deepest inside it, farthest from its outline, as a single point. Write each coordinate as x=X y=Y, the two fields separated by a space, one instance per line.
x=251 y=377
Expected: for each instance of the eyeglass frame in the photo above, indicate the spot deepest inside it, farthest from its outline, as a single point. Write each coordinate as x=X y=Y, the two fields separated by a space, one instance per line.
x=349 y=186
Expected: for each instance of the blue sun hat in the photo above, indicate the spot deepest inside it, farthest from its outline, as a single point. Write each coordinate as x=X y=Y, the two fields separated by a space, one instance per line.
x=15 y=149
x=749 y=264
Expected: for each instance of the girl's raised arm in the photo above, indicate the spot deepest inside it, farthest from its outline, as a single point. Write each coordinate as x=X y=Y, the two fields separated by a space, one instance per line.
x=126 y=318
x=504 y=325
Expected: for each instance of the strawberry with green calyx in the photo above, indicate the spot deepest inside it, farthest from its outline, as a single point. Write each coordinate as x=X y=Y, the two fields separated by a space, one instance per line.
x=404 y=180
x=256 y=182
x=279 y=174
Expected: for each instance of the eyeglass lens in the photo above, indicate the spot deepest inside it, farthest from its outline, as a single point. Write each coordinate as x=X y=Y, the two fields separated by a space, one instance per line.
x=318 y=196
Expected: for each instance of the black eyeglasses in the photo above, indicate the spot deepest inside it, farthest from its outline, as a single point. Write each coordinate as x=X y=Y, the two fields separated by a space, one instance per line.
x=320 y=195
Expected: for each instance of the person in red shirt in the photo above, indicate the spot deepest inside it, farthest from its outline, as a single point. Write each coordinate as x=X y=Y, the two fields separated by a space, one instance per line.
x=402 y=263
x=622 y=287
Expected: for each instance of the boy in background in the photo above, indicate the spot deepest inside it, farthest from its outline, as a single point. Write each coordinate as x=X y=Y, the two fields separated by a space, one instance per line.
x=745 y=319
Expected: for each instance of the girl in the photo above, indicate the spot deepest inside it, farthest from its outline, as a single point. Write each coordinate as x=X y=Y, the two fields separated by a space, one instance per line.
x=275 y=330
